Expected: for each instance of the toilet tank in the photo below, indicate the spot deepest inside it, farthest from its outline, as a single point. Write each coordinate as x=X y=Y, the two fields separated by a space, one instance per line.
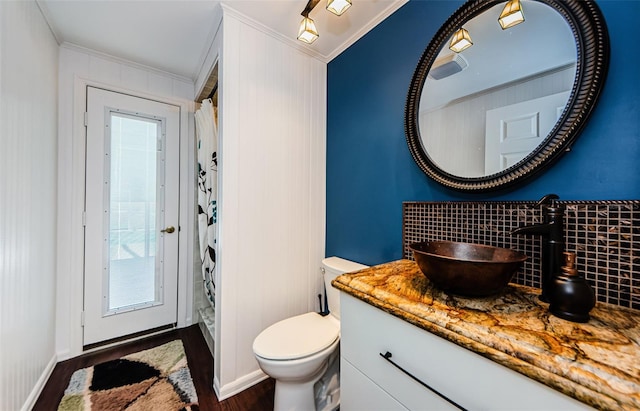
x=331 y=268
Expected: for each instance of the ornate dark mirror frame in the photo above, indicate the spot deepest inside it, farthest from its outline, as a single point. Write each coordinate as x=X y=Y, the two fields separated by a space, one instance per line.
x=592 y=43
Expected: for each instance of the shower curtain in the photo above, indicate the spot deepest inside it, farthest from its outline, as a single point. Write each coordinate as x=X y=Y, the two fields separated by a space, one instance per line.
x=207 y=144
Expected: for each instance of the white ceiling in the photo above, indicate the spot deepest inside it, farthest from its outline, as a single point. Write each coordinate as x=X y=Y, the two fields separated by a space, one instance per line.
x=174 y=35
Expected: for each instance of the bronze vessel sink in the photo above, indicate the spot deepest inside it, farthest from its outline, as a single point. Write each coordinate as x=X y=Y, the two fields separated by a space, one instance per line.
x=466 y=269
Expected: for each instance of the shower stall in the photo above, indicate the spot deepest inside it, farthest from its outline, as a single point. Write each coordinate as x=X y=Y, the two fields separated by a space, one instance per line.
x=206 y=121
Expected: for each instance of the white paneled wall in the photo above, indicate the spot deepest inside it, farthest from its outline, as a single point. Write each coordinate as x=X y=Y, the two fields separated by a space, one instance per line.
x=272 y=182
x=79 y=67
x=28 y=110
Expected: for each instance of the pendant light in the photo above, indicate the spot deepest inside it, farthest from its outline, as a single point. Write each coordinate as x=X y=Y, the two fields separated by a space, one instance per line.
x=511 y=15
x=307 y=31
x=338 y=7
x=461 y=40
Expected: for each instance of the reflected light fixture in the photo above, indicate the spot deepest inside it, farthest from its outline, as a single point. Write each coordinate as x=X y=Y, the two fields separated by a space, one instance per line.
x=307 y=31
x=511 y=15
x=338 y=7
x=461 y=40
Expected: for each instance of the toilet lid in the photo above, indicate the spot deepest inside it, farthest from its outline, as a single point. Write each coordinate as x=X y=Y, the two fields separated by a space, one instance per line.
x=296 y=337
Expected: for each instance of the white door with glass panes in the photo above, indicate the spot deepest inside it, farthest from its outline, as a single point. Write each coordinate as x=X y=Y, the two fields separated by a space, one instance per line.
x=131 y=215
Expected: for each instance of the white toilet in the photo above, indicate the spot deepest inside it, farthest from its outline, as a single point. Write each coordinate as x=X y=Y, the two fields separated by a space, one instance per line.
x=295 y=351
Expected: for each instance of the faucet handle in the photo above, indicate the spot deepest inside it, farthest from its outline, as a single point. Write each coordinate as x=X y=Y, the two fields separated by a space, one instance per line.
x=548 y=199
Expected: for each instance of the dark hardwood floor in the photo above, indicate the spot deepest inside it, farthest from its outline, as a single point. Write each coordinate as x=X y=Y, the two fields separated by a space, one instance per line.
x=258 y=398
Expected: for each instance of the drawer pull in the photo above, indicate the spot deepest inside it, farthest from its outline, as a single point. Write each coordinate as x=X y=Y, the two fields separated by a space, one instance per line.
x=387 y=356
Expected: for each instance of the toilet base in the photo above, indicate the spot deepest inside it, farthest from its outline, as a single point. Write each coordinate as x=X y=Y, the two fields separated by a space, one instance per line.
x=297 y=396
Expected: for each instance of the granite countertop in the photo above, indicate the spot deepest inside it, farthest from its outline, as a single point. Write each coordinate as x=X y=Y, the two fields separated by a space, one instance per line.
x=597 y=362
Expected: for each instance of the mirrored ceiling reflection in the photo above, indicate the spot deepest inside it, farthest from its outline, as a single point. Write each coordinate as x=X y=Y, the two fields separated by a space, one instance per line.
x=486 y=108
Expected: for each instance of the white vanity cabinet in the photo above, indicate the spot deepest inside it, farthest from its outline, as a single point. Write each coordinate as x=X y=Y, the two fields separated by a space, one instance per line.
x=371 y=382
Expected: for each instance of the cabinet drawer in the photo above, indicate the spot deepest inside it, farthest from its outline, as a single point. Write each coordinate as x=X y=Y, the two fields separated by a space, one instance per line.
x=472 y=381
x=359 y=393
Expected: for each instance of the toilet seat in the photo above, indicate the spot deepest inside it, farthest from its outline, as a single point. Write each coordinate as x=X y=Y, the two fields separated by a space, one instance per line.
x=296 y=337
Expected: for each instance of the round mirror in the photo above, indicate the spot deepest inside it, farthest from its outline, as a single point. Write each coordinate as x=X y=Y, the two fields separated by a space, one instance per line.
x=513 y=101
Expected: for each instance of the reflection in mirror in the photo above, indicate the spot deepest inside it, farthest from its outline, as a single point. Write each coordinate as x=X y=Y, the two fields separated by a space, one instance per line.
x=485 y=109
x=512 y=60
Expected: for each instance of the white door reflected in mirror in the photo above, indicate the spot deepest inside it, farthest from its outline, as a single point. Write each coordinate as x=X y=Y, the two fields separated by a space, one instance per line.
x=514 y=131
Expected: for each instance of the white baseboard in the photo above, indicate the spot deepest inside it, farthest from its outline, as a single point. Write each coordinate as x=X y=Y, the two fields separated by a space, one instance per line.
x=239 y=385
x=37 y=389
x=63 y=355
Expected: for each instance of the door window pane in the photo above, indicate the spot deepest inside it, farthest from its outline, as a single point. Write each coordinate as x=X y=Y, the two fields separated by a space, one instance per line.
x=133 y=200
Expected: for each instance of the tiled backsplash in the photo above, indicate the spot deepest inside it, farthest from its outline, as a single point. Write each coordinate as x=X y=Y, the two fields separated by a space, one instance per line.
x=604 y=235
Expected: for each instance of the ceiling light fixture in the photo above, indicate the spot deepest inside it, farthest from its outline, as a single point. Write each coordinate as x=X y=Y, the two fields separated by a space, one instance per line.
x=461 y=40
x=307 y=31
x=338 y=7
x=511 y=15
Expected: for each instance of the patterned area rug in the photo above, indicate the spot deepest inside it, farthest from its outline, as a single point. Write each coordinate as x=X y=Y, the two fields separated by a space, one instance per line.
x=154 y=379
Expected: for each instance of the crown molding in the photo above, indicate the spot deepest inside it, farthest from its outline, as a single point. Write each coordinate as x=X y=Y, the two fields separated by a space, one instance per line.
x=365 y=29
x=46 y=14
x=228 y=10
x=119 y=60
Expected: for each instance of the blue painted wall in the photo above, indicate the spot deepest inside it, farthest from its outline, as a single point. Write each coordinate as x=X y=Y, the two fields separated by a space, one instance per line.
x=370 y=171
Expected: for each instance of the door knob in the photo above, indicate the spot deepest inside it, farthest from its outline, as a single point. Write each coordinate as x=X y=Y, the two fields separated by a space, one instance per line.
x=168 y=230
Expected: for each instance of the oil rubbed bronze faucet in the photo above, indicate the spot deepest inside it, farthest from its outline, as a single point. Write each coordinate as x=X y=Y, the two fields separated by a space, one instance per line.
x=551 y=230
